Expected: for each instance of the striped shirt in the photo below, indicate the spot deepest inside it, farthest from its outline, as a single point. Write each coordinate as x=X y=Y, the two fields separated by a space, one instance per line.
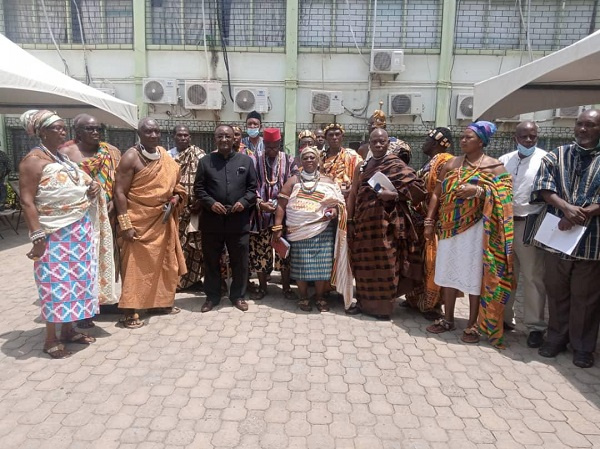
x=574 y=175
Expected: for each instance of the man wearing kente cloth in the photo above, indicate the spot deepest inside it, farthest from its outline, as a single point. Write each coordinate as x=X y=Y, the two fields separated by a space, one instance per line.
x=473 y=205
x=99 y=160
x=188 y=156
x=339 y=163
x=149 y=200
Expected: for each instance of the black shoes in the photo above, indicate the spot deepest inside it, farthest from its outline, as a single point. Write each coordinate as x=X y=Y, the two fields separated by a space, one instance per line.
x=535 y=339
x=583 y=359
x=551 y=350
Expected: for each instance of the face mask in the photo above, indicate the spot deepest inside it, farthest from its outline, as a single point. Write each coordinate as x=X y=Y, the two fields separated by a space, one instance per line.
x=524 y=151
x=253 y=132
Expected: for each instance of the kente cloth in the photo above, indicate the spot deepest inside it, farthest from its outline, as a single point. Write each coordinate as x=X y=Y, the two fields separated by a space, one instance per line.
x=261 y=253
x=190 y=235
x=271 y=175
x=151 y=266
x=102 y=167
x=386 y=260
x=458 y=215
x=245 y=150
x=66 y=275
x=312 y=259
x=426 y=296
x=341 y=167
x=305 y=219
x=574 y=175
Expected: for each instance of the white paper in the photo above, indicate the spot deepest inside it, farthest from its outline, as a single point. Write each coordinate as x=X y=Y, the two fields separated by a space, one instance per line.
x=383 y=181
x=194 y=225
x=563 y=241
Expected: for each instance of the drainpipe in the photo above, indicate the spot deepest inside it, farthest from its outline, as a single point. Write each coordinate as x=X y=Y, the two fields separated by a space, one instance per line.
x=140 y=57
x=444 y=81
x=291 y=75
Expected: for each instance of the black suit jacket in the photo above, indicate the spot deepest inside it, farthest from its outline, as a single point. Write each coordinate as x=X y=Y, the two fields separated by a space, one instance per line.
x=226 y=181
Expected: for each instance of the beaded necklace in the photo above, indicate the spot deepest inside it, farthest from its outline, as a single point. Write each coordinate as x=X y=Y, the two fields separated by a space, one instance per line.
x=69 y=166
x=475 y=168
x=309 y=177
x=274 y=171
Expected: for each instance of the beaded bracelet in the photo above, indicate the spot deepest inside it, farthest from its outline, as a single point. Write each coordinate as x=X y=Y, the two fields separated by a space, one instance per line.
x=284 y=196
x=37 y=235
x=124 y=222
x=277 y=228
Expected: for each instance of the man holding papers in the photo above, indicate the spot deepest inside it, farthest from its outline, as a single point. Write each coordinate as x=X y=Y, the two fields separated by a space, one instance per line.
x=523 y=164
x=569 y=183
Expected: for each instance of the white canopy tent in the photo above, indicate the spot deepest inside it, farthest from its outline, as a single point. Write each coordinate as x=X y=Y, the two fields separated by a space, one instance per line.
x=28 y=83
x=567 y=77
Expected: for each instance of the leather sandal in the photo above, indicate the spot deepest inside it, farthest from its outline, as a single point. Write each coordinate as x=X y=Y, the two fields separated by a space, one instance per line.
x=470 y=335
x=322 y=305
x=304 y=304
x=57 y=351
x=440 y=326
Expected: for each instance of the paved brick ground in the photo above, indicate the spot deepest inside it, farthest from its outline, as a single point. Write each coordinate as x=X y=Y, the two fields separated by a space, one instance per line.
x=275 y=378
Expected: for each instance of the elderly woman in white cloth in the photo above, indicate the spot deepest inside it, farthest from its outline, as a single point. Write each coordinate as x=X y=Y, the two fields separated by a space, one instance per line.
x=66 y=216
x=315 y=213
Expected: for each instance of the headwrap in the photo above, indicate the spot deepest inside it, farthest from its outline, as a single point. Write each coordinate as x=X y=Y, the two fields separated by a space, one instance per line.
x=254 y=114
x=401 y=149
x=235 y=127
x=314 y=150
x=35 y=120
x=307 y=133
x=484 y=130
x=333 y=126
x=378 y=119
x=442 y=136
x=271 y=135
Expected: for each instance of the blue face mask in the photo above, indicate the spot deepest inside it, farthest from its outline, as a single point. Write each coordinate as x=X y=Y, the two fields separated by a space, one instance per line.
x=253 y=132
x=524 y=151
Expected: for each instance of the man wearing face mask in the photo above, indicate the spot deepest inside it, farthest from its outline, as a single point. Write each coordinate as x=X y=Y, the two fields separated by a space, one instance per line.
x=523 y=164
x=254 y=142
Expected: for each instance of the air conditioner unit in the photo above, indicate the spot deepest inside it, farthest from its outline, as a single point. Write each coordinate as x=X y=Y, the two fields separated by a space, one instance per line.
x=570 y=112
x=405 y=104
x=387 y=61
x=160 y=91
x=464 y=107
x=248 y=99
x=517 y=118
x=203 y=95
x=326 y=102
x=107 y=90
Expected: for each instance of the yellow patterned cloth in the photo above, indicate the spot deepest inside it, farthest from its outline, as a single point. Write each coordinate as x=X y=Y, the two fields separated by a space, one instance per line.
x=341 y=166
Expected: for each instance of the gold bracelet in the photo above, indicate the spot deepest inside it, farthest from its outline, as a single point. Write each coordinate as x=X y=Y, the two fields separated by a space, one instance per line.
x=277 y=228
x=124 y=222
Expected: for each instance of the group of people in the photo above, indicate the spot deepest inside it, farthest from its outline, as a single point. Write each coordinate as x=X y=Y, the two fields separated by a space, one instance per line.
x=363 y=226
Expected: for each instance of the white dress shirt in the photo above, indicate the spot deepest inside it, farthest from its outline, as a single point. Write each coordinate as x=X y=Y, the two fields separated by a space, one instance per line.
x=523 y=171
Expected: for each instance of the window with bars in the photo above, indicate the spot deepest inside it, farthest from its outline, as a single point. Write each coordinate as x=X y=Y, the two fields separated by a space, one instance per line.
x=349 y=23
x=95 y=22
x=244 y=23
x=502 y=24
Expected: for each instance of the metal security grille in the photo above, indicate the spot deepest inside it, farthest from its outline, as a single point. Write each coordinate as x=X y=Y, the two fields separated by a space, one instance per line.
x=244 y=23
x=502 y=24
x=348 y=23
x=93 y=22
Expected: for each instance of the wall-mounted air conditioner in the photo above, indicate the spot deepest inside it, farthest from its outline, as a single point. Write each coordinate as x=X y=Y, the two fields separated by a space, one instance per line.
x=248 y=99
x=387 y=61
x=326 y=102
x=203 y=95
x=570 y=112
x=464 y=107
x=405 y=103
x=160 y=91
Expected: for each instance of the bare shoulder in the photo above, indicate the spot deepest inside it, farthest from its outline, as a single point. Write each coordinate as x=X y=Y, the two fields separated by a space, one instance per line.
x=454 y=162
x=129 y=160
x=70 y=150
x=33 y=163
x=493 y=165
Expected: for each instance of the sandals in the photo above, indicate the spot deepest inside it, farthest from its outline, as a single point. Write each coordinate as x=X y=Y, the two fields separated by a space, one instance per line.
x=57 y=351
x=470 y=335
x=164 y=311
x=131 y=321
x=290 y=294
x=85 y=324
x=440 y=326
x=78 y=338
x=322 y=305
x=258 y=294
x=304 y=305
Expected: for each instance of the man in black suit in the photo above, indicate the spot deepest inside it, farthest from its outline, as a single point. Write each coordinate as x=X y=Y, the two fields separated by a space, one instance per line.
x=226 y=188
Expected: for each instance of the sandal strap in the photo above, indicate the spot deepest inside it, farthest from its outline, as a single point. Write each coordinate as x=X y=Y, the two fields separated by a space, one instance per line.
x=442 y=322
x=473 y=330
x=55 y=348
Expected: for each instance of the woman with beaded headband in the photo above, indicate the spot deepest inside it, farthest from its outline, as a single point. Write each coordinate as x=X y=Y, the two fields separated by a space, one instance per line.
x=426 y=296
x=315 y=213
x=59 y=201
x=470 y=210
x=339 y=163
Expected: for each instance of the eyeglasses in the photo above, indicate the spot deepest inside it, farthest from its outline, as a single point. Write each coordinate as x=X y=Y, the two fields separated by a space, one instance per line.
x=57 y=128
x=91 y=129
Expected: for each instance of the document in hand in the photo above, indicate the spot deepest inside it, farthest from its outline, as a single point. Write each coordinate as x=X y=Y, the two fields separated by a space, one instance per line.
x=383 y=181
x=282 y=247
x=563 y=241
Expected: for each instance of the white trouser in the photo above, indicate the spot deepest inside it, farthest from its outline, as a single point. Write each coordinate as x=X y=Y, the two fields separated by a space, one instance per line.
x=529 y=262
